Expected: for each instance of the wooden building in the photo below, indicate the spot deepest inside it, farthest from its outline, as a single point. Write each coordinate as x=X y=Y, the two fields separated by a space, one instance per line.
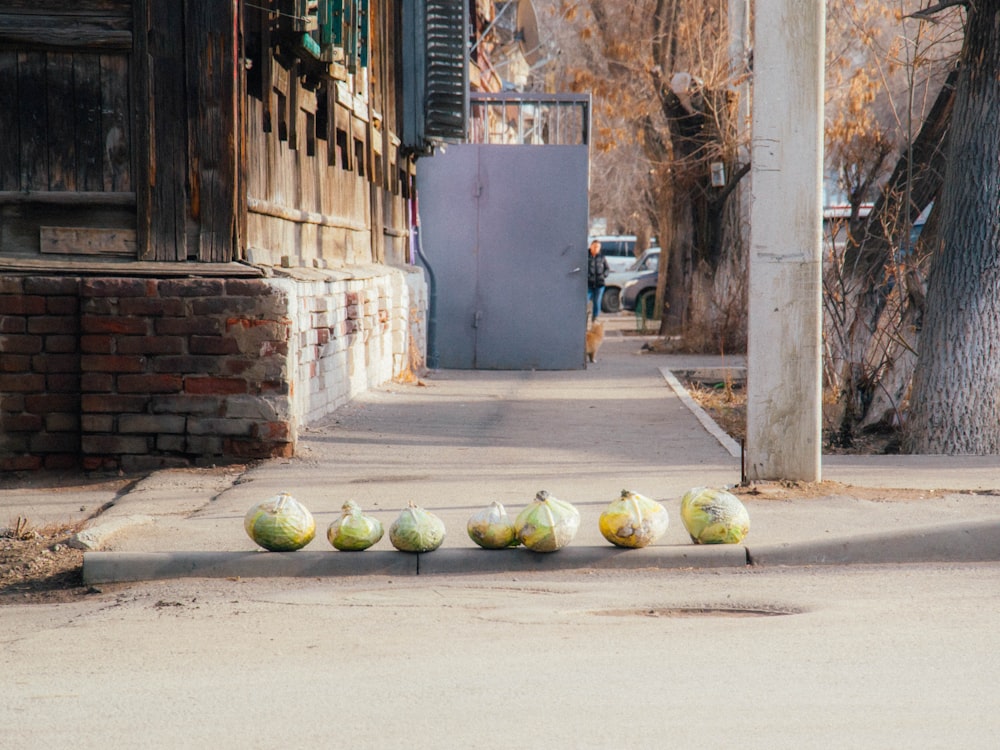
x=205 y=223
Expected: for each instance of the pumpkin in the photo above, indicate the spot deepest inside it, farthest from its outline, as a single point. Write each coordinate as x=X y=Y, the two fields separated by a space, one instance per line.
x=280 y=524
x=354 y=531
x=547 y=524
x=714 y=516
x=416 y=530
x=491 y=528
x=633 y=520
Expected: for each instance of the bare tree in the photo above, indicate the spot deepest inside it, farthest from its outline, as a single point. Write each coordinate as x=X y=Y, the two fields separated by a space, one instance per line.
x=955 y=406
x=665 y=93
x=892 y=101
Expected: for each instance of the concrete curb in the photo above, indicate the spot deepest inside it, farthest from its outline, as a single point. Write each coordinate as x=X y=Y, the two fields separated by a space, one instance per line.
x=731 y=446
x=125 y=567
x=956 y=542
x=97 y=536
x=518 y=560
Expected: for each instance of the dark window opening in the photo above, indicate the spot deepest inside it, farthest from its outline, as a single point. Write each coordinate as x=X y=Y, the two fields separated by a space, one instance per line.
x=359 y=157
x=310 y=134
x=343 y=154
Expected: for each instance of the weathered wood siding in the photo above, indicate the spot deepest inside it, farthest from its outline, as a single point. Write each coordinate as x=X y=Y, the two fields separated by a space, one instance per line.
x=65 y=120
x=324 y=179
x=194 y=131
x=187 y=72
x=120 y=115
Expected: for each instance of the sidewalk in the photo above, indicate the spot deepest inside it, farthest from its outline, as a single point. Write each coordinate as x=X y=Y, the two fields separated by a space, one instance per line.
x=462 y=439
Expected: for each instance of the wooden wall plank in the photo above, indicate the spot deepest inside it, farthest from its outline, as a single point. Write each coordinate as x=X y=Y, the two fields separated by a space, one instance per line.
x=87 y=104
x=239 y=250
x=60 y=125
x=10 y=152
x=167 y=171
x=141 y=120
x=211 y=82
x=116 y=123
x=32 y=121
x=267 y=64
x=292 y=112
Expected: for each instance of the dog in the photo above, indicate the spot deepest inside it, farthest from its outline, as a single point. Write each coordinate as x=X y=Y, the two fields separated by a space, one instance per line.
x=595 y=336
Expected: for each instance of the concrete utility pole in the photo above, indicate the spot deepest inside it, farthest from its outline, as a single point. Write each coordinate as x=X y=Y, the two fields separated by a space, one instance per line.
x=784 y=386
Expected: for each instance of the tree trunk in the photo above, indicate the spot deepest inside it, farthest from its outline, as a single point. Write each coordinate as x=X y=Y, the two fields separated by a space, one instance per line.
x=955 y=406
x=864 y=282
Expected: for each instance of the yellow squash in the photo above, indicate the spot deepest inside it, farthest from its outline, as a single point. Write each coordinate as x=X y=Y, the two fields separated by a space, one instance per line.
x=633 y=520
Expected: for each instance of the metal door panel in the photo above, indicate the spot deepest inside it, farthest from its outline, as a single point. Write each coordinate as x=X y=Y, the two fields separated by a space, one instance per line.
x=447 y=186
x=532 y=248
x=503 y=234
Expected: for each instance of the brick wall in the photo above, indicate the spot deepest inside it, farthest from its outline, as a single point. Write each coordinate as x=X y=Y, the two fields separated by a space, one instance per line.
x=355 y=331
x=134 y=373
x=39 y=373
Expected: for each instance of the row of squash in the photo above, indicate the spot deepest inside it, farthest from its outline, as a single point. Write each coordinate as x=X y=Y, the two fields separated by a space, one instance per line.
x=710 y=516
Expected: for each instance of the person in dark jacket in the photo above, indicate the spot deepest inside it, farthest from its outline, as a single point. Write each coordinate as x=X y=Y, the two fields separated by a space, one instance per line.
x=597 y=270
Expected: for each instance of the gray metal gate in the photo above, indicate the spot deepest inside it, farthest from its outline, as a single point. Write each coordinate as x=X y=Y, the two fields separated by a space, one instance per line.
x=503 y=228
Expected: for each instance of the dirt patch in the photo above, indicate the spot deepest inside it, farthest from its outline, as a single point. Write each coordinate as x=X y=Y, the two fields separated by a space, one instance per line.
x=726 y=404
x=793 y=490
x=37 y=565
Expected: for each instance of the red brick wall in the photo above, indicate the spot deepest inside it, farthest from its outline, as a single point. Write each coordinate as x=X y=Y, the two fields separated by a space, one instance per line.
x=135 y=374
x=39 y=373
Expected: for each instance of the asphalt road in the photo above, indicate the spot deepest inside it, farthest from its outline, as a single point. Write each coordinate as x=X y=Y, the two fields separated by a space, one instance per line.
x=888 y=656
x=826 y=657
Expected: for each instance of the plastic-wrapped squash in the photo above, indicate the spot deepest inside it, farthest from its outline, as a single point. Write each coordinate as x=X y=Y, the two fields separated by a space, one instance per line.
x=547 y=524
x=280 y=524
x=416 y=530
x=714 y=516
x=354 y=531
x=491 y=528
x=633 y=520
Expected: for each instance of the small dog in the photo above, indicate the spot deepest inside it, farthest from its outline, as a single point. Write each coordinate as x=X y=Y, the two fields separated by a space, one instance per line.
x=595 y=336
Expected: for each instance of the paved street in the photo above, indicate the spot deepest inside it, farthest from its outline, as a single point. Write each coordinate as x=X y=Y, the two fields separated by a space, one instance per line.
x=825 y=656
x=873 y=657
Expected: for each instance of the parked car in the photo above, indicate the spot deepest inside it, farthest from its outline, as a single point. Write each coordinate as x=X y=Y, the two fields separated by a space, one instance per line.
x=618 y=250
x=611 y=302
x=640 y=293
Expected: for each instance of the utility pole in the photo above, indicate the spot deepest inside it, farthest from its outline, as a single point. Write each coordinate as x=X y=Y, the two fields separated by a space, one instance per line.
x=784 y=372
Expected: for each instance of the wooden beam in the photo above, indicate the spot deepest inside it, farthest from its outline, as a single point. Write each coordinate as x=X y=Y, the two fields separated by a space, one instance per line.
x=268 y=208
x=87 y=241
x=109 y=267
x=65 y=30
x=95 y=198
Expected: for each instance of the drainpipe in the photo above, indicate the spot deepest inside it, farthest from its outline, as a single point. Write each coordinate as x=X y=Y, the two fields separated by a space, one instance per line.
x=433 y=360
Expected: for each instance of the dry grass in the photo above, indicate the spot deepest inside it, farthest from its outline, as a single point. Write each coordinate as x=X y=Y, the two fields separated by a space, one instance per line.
x=726 y=404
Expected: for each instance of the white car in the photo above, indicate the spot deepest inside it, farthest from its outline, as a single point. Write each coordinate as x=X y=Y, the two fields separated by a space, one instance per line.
x=613 y=284
x=618 y=250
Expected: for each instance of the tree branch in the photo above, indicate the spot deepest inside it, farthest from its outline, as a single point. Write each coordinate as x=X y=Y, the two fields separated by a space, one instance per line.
x=734 y=180
x=932 y=10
